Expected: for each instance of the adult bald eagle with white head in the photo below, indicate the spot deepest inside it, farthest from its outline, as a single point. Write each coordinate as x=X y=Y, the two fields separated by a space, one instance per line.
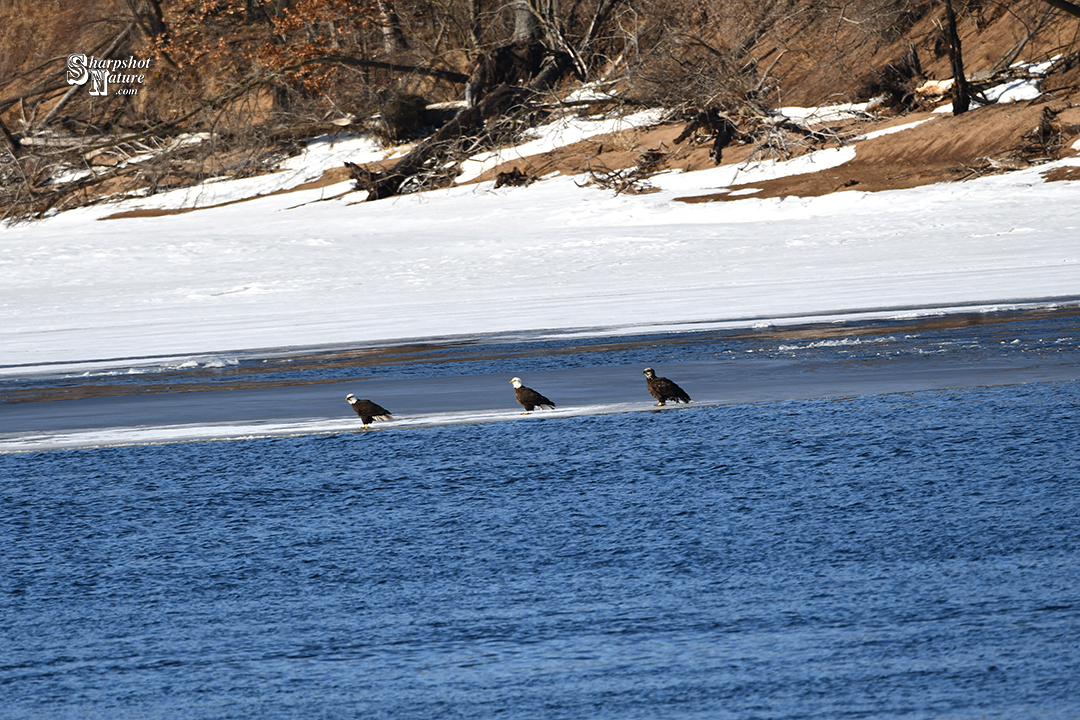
x=367 y=410
x=663 y=389
x=529 y=398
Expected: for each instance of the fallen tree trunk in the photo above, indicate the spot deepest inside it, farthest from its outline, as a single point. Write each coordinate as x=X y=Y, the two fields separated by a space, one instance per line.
x=437 y=150
x=504 y=69
x=723 y=131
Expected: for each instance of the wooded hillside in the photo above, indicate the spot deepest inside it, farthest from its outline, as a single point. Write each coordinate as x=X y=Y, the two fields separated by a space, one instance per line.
x=206 y=87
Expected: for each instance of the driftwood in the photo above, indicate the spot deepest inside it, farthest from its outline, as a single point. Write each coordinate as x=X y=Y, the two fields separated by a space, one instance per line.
x=634 y=180
x=30 y=161
x=514 y=178
x=433 y=153
x=502 y=82
x=723 y=131
x=1048 y=138
x=513 y=64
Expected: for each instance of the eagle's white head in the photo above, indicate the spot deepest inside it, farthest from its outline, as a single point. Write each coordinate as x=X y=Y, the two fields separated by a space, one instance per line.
x=516 y=382
x=351 y=398
x=649 y=373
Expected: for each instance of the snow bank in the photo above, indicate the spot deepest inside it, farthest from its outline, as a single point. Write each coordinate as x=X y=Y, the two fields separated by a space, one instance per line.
x=320 y=266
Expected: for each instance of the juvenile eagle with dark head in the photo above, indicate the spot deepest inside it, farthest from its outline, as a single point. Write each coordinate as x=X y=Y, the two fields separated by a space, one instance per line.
x=367 y=410
x=663 y=389
x=529 y=398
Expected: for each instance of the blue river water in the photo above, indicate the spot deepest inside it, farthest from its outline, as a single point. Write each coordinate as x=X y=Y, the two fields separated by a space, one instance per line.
x=910 y=554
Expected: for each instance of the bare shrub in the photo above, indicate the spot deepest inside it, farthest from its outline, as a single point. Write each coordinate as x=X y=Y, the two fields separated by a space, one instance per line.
x=633 y=180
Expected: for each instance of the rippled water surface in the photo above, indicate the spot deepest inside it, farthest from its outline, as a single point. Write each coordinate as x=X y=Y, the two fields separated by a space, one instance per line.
x=906 y=555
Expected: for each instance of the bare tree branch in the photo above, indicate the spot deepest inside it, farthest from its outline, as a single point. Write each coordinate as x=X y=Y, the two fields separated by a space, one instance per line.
x=67 y=96
x=1065 y=6
x=347 y=60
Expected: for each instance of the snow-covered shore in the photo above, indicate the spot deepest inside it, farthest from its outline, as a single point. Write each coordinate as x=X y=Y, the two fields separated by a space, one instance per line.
x=316 y=267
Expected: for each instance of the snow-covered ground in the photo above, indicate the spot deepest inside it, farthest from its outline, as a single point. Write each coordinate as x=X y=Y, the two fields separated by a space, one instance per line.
x=321 y=267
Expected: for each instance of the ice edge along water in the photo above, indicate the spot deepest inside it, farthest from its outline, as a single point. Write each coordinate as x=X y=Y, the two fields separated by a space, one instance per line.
x=229 y=431
x=317 y=268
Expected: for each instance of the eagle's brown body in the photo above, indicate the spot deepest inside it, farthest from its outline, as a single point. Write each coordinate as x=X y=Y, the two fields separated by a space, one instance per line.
x=367 y=410
x=529 y=398
x=663 y=389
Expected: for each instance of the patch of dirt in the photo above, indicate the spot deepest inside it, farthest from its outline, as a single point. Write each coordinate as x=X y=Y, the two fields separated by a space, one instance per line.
x=942 y=148
x=1062 y=174
x=828 y=61
x=620 y=151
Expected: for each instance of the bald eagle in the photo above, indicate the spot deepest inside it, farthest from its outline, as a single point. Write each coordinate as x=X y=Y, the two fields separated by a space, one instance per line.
x=529 y=398
x=367 y=410
x=663 y=389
